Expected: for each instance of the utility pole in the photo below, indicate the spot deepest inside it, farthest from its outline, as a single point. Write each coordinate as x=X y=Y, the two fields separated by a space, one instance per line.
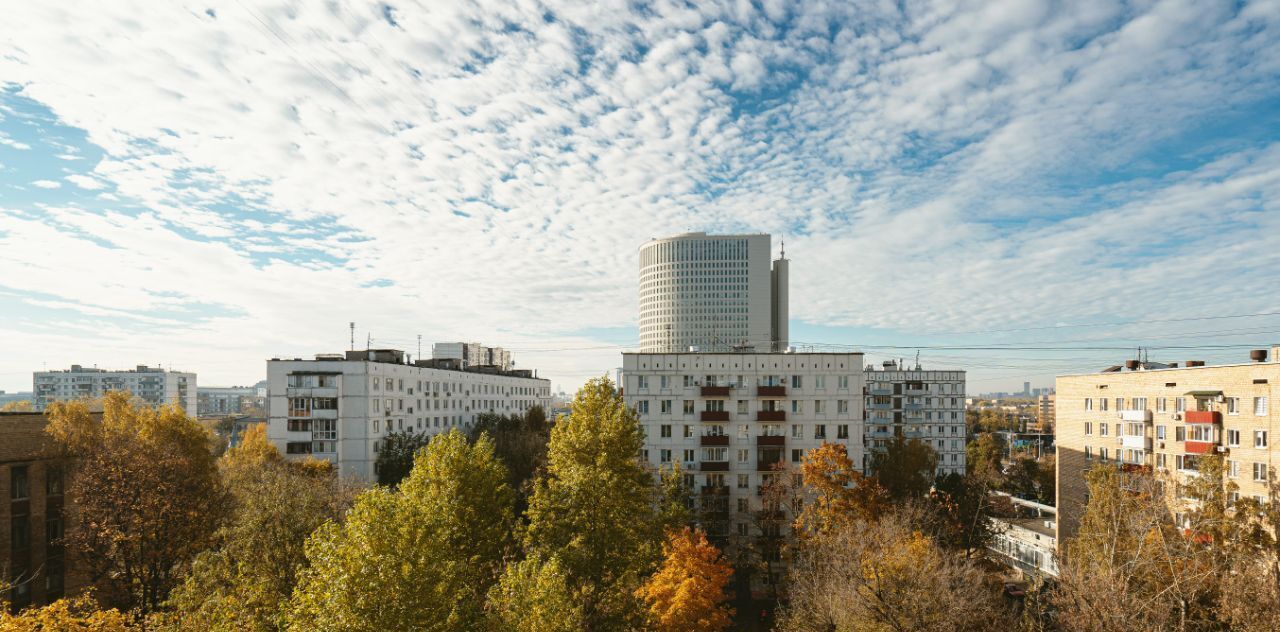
x=419 y=346
x=353 y=335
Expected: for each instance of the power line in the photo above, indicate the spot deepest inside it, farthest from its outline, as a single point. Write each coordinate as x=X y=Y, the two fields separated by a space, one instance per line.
x=1119 y=324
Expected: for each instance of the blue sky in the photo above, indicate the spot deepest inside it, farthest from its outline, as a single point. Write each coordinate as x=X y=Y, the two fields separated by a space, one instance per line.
x=206 y=185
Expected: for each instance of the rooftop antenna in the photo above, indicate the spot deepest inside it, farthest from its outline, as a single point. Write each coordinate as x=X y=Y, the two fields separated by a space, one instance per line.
x=419 y=346
x=917 y=359
x=353 y=335
x=368 y=341
x=783 y=254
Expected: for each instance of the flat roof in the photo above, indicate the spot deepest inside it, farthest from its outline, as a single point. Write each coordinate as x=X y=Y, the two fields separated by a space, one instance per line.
x=1173 y=368
x=743 y=353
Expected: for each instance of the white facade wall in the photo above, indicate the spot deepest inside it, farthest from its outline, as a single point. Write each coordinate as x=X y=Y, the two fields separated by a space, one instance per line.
x=154 y=386
x=340 y=409
x=919 y=404
x=667 y=391
x=713 y=292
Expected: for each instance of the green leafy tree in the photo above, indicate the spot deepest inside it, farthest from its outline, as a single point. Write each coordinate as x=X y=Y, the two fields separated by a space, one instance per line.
x=675 y=499
x=1023 y=478
x=244 y=583
x=521 y=443
x=533 y=595
x=964 y=506
x=984 y=456
x=906 y=468
x=147 y=494
x=396 y=454
x=421 y=557
x=593 y=509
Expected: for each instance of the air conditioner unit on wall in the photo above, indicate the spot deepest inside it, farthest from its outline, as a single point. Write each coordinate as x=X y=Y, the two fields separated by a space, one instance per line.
x=1177 y=417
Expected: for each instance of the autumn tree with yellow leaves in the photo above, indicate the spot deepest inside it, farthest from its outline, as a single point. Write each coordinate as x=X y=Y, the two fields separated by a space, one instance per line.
x=687 y=593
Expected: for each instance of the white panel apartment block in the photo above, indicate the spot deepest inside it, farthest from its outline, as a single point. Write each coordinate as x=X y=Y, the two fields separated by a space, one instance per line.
x=725 y=417
x=155 y=386
x=918 y=404
x=339 y=409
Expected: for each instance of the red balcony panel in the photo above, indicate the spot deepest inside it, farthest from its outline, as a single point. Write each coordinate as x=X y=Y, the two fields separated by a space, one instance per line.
x=715 y=415
x=771 y=415
x=771 y=391
x=771 y=440
x=715 y=391
x=1203 y=417
x=1200 y=447
x=715 y=440
x=714 y=466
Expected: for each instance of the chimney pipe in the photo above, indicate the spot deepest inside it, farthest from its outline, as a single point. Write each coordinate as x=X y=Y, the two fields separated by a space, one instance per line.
x=1258 y=355
x=1132 y=365
x=1191 y=363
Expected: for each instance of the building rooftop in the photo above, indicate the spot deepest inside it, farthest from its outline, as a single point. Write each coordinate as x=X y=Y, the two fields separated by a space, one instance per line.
x=396 y=356
x=141 y=368
x=1258 y=357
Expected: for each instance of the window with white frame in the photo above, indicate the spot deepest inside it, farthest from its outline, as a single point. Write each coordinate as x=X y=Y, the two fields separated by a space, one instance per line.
x=1160 y=433
x=689 y=455
x=1260 y=472
x=1088 y=427
x=1259 y=438
x=744 y=455
x=1233 y=405
x=1088 y=403
x=715 y=454
x=1233 y=468
x=1162 y=404
x=1260 y=406
x=1233 y=438
x=1180 y=404
x=842 y=406
x=819 y=407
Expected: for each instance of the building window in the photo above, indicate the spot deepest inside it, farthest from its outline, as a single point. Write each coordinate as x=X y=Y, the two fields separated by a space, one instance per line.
x=842 y=431
x=797 y=431
x=819 y=407
x=744 y=480
x=1259 y=438
x=664 y=456
x=1102 y=454
x=1088 y=403
x=797 y=381
x=688 y=431
x=689 y=455
x=744 y=431
x=742 y=407
x=1260 y=406
x=744 y=455
x=844 y=381
x=18 y=483
x=664 y=431
x=1233 y=468
x=642 y=382
x=1160 y=460
x=1102 y=429
x=301 y=447
x=1088 y=453
x=842 y=406
x=1233 y=405
x=796 y=455
x=820 y=431
x=1102 y=403
x=820 y=382
x=53 y=483
x=1160 y=433
x=1180 y=405
x=1162 y=404
x=1233 y=438
x=642 y=407
x=1088 y=427
x=688 y=406
x=1180 y=433
x=664 y=406
x=1260 y=472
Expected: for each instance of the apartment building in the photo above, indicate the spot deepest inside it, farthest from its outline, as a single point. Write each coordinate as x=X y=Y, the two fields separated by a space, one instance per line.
x=340 y=407
x=712 y=293
x=1045 y=408
x=916 y=404
x=1147 y=417
x=728 y=418
x=229 y=400
x=153 y=385
x=472 y=354
x=32 y=514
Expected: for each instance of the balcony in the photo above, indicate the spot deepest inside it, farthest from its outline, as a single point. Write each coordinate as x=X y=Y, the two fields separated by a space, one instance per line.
x=1200 y=447
x=771 y=415
x=913 y=407
x=714 y=391
x=714 y=466
x=771 y=440
x=881 y=391
x=916 y=391
x=1135 y=415
x=1203 y=417
x=1136 y=442
x=715 y=415
x=880 y=406
x=767 y=465
x=771 y=391
x=714 y=440
x=715 y=490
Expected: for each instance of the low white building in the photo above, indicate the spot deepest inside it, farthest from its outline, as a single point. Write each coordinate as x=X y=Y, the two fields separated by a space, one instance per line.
x=917 y=404
x=153 y=385
x=340 y=406
x=1028 y=542
x=728 y=418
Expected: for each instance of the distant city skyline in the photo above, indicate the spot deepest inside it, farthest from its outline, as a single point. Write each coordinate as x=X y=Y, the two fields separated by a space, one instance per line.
x=1019 y=190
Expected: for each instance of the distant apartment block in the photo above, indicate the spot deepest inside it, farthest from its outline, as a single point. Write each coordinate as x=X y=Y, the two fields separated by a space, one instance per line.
x=472 y=354
x=712 y=293
x=728 y=419
x=1045 y=412
x=340 y=407
x=153 y=385
x=1152 y=418
x=230 y=400
x=917 y=404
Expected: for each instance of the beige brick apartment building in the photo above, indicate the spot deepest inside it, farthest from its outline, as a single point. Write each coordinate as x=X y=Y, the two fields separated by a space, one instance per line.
x=1157 y=417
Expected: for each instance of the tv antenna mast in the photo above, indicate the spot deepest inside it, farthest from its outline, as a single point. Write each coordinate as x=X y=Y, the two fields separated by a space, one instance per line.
x=353 y=335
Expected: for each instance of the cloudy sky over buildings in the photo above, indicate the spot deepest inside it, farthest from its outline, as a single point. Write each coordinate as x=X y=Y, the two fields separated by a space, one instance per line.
x=209 y=184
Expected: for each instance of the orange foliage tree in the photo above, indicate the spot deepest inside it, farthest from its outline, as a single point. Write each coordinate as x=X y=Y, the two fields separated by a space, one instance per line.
x=687 y=593
x=839 y=493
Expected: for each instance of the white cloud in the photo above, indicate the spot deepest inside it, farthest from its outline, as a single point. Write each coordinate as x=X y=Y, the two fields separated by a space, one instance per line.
x=929 y=155
x=46 y=184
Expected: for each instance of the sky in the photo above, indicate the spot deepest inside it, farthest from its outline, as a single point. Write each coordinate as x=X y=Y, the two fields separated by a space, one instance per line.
x=1019 y=189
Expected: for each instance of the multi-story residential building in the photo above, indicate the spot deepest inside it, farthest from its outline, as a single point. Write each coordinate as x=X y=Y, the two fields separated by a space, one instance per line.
x=472 y=354
x=712 y=293
x=1160 y=418
x=1045 y=412
x=153 y=385
x=32 y=514
x=728 y=418
x=229 y=400
x=340 y=407
x=916 y=404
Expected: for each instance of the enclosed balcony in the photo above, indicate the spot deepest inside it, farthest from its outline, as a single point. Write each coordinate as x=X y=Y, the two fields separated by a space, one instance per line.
x=1203 y=417
x=1135 y=415
x=771 y=391
x=1200 y=447
x=714 y=466
x=714 y=391
x=771 y=440
x=714 y=440
x=771 y=415
x=1136 y=443
x=715 y=415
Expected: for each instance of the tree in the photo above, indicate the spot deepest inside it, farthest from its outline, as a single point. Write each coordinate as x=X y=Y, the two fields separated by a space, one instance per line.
x=838 y=492
x=887 y=576
x=1047 y=481
x=906 y=468
x=521 y=443
x=396 y=454
x=533 y=595
x=420 y=557
x=675 y=499
x=245 y=582
x=18 y=406
x=984 y=454
x=964 y=506
x=147 y=495
x=765 y=548
x=688 y=590
x=1023 y=478
x=81 y=614
x=593 y=508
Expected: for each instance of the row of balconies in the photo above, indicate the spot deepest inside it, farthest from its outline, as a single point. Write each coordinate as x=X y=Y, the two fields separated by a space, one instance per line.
x=762 y=465
x=761 y=391
x=761 y=415
x=723 y=440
